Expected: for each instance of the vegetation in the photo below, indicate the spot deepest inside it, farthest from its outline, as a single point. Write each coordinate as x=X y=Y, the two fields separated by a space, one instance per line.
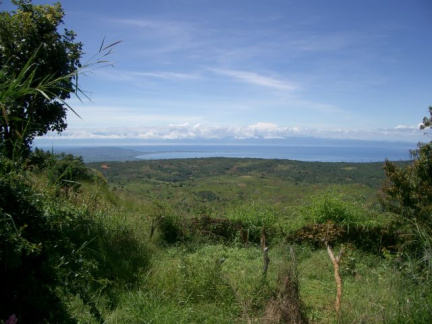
x=39 y=69
x=31 y=35
x=407 y=192
x=153 y=249
x=207 y=240
x=54 y=241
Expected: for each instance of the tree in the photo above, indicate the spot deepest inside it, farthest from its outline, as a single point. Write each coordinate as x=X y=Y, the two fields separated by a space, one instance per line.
x=407 y=192
x=427 y=121
x=34 y=51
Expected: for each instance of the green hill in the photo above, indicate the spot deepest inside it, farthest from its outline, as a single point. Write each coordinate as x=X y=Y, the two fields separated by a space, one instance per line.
x=186 y=241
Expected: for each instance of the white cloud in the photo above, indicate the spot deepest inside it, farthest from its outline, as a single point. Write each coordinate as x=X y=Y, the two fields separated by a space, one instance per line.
x=166 y=75
x=257 y=79
x=260 y=130
x=404 y=127
x=264 y=126
x=156 y=28
x=133 y=76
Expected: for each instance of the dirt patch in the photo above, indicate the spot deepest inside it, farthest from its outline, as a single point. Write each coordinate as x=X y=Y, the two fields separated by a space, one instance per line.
x=349 y=168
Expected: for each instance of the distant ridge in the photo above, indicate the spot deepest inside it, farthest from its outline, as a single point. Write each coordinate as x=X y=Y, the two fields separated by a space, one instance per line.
x=99 y=154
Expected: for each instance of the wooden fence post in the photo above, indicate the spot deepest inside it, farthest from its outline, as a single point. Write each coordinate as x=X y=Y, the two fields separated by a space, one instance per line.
x=264 y=248
x=338 y=279
x=266 y=261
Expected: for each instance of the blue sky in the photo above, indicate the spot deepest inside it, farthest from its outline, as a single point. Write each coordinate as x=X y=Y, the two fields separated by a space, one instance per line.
x=198 y=69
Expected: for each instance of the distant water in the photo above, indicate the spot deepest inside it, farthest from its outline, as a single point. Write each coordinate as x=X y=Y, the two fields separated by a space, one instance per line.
x=322 y=153
x=301 y=149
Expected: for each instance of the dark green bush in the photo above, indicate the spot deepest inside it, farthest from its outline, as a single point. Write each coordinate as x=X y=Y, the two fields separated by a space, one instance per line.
x=51 y=249
x=407 y=192
x=253 y=218
x=330 y=218
x=171 y=229
x=36 y=255
x=62 y=169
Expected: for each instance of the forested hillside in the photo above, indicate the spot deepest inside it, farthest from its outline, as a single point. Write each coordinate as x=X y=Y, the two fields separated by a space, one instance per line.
x=216 y=182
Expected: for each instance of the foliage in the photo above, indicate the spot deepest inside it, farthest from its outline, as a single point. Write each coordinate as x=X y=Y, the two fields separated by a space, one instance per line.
x=50 y=248
x=123 y=276
x=62 y=169
x=170 y=224
x=407 y=192
x=174 y=226
x=188 y=171
x=330 y=217
x=427 y=121
x=243 y=223
x=39 y=70
x=203 y=278
x=87 y=255
x=254 y=218
x=37 y=253
x=331 y=207
x=30 y=35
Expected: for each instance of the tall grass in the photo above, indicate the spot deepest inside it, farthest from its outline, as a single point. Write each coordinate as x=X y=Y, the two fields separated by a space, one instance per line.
x=135 y=278
x=197 y=281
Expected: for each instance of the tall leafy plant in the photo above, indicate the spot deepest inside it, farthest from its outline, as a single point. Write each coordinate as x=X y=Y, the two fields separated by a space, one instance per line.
x=24 y=85
x=31 y=34
x=39 y=72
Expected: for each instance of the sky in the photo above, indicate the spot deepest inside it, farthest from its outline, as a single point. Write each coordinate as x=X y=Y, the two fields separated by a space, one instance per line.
x=241 y=69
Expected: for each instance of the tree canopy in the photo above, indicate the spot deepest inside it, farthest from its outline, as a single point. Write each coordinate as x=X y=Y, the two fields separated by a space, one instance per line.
x=34 y=52
x=427 y=121
x=407 y=192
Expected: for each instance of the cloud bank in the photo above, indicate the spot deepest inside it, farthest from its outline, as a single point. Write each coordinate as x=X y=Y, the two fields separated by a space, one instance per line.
x=259 y=131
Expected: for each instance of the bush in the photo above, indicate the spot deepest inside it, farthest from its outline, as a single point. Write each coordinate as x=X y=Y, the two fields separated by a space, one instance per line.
x=254 y=218
x=51 y=250
x=330 y=218
x=62 y=169
x=36 y=254
x=331 y=207
x=407 y=192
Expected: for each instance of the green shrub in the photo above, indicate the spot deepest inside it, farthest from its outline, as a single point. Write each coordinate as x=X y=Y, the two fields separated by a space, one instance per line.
x=51 y=249
x=62 y=169
x=330 y=217
x=37 y=253
x=253 y=218
x=170 y=228
x=407 y=192
x=331 y=207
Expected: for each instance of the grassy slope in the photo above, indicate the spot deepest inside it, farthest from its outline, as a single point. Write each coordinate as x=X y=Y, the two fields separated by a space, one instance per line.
x=185 y=283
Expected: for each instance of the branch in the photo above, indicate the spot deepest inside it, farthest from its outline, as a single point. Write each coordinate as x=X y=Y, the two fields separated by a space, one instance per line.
x=338 y=279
